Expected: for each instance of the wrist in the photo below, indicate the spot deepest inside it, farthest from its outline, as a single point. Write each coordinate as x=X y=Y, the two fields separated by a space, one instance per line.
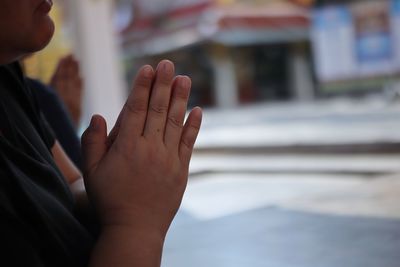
x=134 y=226
x=133 y=231
x=149 y=239
x=142 y=221
x=125 y=245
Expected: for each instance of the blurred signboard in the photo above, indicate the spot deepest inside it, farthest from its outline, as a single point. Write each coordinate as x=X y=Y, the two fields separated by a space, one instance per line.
x=395 y=14
x=357 y=41
x=333 y=43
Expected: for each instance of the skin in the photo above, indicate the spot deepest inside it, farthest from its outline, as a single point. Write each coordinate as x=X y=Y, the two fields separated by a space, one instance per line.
x=67 y=82
x=150 y=151
x=136 y=176
x=24 y=29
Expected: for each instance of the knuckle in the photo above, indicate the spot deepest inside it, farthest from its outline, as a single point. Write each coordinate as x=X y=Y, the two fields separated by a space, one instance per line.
x=175 y=123
x=159 y=109
x=164 y=80
x=124 y=150
x=178 y=180
x=135 y=107
x=187 y=143
x=142 y=82
x=181 y=95
x=195 y=127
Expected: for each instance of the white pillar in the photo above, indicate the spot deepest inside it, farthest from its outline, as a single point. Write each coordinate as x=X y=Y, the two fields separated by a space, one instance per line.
x=226 y=86
x=95 y=44
x=300 y=74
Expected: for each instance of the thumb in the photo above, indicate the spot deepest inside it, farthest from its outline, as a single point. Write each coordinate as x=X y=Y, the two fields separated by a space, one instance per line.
x=94 y=143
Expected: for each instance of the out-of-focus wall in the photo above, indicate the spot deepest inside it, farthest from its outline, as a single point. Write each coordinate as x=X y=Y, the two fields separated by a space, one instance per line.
x=95 y=44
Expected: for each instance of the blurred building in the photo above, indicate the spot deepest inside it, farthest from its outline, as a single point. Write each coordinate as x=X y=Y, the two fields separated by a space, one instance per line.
x=236 y=51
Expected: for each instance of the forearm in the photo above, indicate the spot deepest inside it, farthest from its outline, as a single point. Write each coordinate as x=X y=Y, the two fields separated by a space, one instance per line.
x=80 y=195
x=122 y=246
x=84 y=210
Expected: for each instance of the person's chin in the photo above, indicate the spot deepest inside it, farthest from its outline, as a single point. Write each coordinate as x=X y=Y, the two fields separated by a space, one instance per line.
x=44 y=36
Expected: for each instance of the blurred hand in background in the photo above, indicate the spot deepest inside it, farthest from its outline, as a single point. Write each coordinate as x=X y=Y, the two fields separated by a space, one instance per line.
x=67 y=82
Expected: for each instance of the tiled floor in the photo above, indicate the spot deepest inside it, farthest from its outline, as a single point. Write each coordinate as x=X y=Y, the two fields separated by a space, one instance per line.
x=286 y=220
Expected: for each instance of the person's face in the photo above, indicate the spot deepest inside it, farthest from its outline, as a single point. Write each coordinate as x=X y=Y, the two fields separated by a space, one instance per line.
x=25 y=27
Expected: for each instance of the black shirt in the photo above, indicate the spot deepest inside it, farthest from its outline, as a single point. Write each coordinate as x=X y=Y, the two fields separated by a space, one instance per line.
x=38 y=226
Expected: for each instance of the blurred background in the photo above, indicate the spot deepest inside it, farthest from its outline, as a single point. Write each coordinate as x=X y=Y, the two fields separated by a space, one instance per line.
x=298 y=160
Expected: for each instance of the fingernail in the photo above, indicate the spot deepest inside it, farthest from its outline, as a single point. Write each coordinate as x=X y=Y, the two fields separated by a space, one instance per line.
x=147 y=72
x=167 y=66
x=184 y=82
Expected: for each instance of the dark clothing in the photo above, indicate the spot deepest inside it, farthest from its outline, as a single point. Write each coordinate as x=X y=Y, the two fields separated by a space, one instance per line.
x=38 y=226
x=56 y=114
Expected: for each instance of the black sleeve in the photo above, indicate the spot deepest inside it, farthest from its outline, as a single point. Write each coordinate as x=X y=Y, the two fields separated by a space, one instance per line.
x=56 y=119
x=49 y=135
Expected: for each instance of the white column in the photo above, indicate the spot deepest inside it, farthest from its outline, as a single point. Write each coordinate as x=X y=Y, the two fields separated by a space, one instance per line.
x=226 y=86
x=300 y=74
x=95 y=44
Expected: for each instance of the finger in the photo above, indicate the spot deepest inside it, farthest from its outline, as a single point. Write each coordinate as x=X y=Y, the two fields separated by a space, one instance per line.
x=57 y=72
x=135 y=108
x=77 y=84
x=94 y=143
x=159 y=101
x=176 y=113
x=115 y=130
x=69 y=69
x=74 y=66
x=61 y=73
x=189 y=135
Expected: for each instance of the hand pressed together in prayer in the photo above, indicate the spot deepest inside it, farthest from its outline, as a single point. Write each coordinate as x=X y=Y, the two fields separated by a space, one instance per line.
x=67 y=82
x=136 y=176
